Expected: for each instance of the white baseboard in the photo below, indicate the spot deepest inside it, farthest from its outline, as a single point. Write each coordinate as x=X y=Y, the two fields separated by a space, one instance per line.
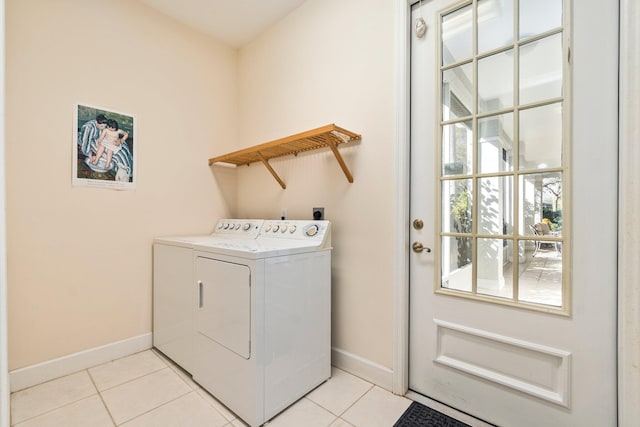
x=45 y=371
x=51 y=369
x=363 y=368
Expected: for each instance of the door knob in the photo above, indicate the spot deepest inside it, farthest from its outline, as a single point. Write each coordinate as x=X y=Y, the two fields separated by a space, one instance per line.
x=419 y=247
x=418 y=224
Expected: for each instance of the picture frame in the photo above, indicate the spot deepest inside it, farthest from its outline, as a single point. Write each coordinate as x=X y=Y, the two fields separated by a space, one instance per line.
x=104 y=148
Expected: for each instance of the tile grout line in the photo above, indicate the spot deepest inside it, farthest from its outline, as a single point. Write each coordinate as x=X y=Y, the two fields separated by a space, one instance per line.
x=133 y=379
x=357 y=400
x=154 y=408
x=102 y=398
x=170 y=366
x=12 y=424
x=346 y=422
x=54 y=409
x=204 y=390
x=175 y=368
x=371 y=386
x=166 y=366
x=315 y=403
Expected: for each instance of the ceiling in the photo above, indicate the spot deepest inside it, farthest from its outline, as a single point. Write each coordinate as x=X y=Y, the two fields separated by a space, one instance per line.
x=235 y=22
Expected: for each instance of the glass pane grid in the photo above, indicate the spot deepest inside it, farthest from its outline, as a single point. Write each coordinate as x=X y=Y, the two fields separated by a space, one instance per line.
x=510 y=47
x=496 y=195
x=457 y=64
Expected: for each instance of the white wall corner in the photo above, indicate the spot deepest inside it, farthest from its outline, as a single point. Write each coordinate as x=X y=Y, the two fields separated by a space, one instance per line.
x=4 y=346
x=35 y=374
x=363 y=368
x=629 y=217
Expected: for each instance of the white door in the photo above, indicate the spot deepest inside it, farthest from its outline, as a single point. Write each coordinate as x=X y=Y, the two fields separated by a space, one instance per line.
x=513 y=209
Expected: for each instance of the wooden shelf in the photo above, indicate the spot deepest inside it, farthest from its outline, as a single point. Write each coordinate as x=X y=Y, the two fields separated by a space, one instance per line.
x=327 y=136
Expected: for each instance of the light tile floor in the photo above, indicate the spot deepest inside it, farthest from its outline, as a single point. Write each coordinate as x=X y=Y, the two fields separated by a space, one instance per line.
x=146 y=389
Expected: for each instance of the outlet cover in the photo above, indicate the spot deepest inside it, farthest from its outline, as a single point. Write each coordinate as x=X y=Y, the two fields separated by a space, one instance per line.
x=318 y=214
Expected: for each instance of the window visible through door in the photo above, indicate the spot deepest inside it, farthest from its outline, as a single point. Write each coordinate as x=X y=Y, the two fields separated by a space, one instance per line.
x=503 y=184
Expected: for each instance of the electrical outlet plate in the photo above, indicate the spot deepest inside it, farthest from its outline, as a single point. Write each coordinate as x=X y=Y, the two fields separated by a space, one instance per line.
x=318 y=214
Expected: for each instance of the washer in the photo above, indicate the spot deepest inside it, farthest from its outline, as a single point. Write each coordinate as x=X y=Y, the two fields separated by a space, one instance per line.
x=247 y=311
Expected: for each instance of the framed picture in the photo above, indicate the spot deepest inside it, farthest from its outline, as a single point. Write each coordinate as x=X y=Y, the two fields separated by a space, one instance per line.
x=104 y=149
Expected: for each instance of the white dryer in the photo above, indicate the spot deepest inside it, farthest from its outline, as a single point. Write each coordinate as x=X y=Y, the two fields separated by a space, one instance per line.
x=174 y=289
x=257 y=334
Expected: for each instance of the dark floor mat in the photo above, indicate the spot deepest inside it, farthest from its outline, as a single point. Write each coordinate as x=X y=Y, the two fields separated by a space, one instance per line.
x=418 y=415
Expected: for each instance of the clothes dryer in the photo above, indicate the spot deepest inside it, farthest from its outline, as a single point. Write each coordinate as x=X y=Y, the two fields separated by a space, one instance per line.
x=259 y=328
x=173 y=286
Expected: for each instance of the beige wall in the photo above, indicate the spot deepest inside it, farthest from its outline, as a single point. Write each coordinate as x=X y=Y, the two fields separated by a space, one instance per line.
x=331 y=61
x=79 y=260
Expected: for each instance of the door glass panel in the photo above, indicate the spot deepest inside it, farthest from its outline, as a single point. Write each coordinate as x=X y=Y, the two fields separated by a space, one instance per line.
x=506 y=91
x=540 y=139
x=495 y=143
x=457 y=92
x=540 y=278
x=538 y=16
x=456 y=215
x=495 y=273
x=457 y=270
x=495 y=211
x=495 y=82
x=541 y=69
x=495 y=24
x=457 y=149
x=457 y=32
x=541 y=197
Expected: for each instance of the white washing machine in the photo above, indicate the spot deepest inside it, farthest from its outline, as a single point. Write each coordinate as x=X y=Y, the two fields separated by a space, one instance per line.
x=247 y=311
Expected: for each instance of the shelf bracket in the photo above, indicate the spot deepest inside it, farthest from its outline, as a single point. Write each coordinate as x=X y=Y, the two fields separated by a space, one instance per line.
x=270 y=169
x=339 y=158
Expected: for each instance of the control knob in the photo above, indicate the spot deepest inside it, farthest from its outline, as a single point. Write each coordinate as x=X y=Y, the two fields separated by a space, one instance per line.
x=311 y=230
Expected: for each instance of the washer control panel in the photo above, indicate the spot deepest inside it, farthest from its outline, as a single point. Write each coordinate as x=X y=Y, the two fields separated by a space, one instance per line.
x=239 y=227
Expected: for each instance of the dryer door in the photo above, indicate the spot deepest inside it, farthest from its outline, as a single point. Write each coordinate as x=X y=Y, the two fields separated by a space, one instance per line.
x=223 y=312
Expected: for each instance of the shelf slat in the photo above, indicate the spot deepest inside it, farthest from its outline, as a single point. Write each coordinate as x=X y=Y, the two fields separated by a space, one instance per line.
x=326 y=136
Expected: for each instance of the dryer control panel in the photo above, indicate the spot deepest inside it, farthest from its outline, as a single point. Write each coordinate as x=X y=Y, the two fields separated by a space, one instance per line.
x=241 y=228
x=311 y=230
